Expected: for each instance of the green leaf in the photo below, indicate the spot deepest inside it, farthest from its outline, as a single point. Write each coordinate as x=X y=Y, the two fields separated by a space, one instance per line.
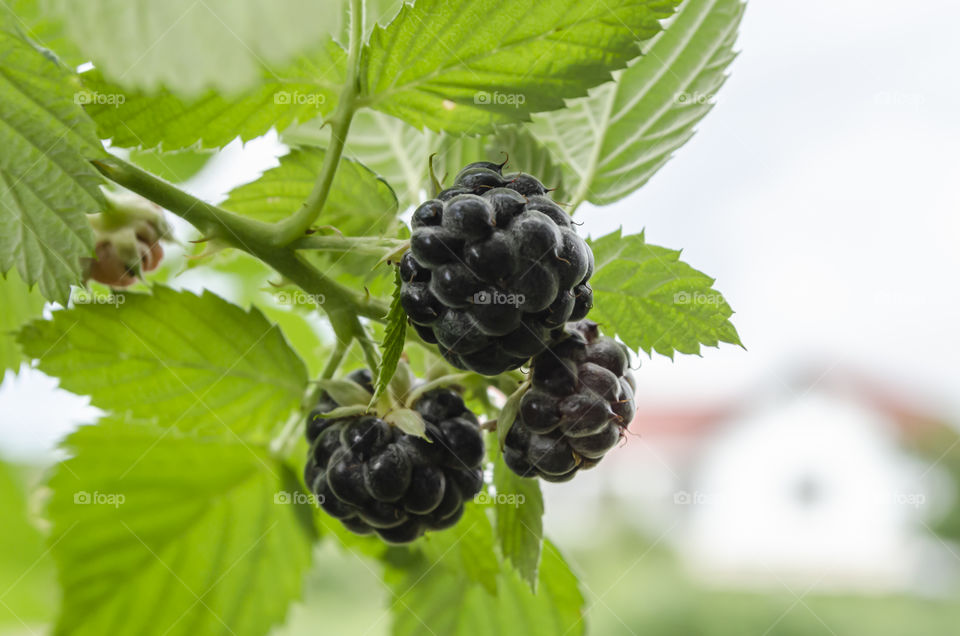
x=47 y=185
x=20 y=304
x=27 y=575
x=513 y=144
x=378 y=12
x=390 y=147
x=189 y=361
x=359 y=202
x=613 y=141
x=190 y=46
x=409 y=421
x=342 y=411
x=467 y=547
x=175 y=167
x=462 y=66
x=508 y=414
x=355 y=269
x=399 y=153
x=393 y=340
x=158 y=531
x=345 y=392
x=251 y=285
x=403 y=380
x=519 y=506
x=130 y=118
x=44 y=29
x=654 y=301
x=452 y=152
x=450 y=380
x=559 y=589
x=526 y=154
x=435 y=594
x=425 y=598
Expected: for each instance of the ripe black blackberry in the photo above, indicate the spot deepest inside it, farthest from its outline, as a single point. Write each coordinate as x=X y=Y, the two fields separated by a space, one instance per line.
x=375 y=478
x=315 y=423
x=580 y=403
x=494 y=268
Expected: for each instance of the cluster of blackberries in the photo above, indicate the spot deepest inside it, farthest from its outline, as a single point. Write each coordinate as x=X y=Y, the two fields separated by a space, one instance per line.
x=496 y=276
x=375 y=478
x=580 y=402
x=494 y=269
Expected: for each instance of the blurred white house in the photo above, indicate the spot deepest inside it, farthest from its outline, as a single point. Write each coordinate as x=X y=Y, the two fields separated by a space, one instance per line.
x=807 y=483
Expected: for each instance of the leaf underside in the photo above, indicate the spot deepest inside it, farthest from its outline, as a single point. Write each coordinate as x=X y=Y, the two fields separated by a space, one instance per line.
x=47 y=185
x=463 y=66
x=613 y=141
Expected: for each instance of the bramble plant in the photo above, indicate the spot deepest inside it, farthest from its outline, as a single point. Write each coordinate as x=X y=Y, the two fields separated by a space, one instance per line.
x=457 y=362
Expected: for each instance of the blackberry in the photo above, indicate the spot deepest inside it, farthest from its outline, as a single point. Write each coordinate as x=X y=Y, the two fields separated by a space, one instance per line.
x=375 y=478
x=580 y=402
x=495 y=269
x=316 y=424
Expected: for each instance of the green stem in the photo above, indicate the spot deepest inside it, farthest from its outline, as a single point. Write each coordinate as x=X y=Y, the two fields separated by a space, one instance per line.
x=509 y=382
x=353 y=244
x=447 y=380
x=212 y=221
x=254 y=237
x=369 y=352
x=335 y=359
x=296 y=225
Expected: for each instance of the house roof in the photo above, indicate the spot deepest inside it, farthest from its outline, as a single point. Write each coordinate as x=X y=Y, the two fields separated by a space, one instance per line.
x=913 y=415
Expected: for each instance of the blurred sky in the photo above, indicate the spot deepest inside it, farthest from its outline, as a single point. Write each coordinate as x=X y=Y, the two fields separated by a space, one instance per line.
x=821 y=192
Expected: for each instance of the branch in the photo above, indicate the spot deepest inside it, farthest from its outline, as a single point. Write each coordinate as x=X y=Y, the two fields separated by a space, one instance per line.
x=212 y=221
x=296 y=225
x=254 y=237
